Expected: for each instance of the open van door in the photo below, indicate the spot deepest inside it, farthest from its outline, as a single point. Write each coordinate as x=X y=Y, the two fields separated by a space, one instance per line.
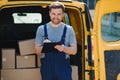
x=106 y=40
x=3 y=2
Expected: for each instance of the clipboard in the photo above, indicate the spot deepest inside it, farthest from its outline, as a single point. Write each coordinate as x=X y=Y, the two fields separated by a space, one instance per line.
x=49 y=47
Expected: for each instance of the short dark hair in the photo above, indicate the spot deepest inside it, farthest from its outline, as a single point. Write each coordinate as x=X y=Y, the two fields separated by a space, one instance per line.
x=56 y=5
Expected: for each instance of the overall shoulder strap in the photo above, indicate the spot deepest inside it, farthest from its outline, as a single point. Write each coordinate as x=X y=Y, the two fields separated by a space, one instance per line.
x=64 y=34
x=45 y=32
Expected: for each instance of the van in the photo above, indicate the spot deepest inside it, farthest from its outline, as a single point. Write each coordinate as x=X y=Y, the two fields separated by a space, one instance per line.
x=98 y=53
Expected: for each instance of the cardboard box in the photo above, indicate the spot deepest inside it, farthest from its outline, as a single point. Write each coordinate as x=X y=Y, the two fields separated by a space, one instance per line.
x=75 y=73
x=29 y=74
x=38 y=61
x=21 y=74
x=27 y=47
x=8 y=58
x=26 y=61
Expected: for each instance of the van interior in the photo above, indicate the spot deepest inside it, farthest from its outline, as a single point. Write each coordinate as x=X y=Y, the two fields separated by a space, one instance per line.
x=14 y=27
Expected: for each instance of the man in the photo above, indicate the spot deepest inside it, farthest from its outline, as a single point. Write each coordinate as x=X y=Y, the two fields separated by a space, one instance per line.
x=56 y=65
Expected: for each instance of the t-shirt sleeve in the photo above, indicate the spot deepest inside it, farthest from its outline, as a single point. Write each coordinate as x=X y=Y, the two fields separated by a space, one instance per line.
x=72 y=36
x=39 y=35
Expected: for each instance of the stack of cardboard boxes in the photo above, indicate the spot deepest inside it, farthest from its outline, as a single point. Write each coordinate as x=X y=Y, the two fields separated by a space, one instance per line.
x=20 y=67
x=25 y=66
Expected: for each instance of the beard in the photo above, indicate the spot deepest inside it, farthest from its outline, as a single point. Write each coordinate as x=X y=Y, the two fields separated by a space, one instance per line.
x=56 y=21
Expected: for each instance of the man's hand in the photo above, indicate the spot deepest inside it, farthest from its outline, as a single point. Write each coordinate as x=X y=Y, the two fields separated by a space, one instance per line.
x=60 y=47
x=71 y=50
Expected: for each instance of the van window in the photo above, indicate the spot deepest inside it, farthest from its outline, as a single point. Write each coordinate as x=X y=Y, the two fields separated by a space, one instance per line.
x=67 y=18
x=28 y=18
x=111 y=27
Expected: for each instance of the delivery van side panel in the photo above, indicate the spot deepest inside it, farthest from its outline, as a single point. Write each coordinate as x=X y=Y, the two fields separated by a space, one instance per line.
x=106 y=48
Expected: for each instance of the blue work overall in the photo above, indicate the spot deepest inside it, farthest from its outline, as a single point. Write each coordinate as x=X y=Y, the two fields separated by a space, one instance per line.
x=55 y=66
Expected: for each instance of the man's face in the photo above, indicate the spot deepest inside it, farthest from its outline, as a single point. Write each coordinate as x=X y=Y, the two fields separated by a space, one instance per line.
x=56 y=15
